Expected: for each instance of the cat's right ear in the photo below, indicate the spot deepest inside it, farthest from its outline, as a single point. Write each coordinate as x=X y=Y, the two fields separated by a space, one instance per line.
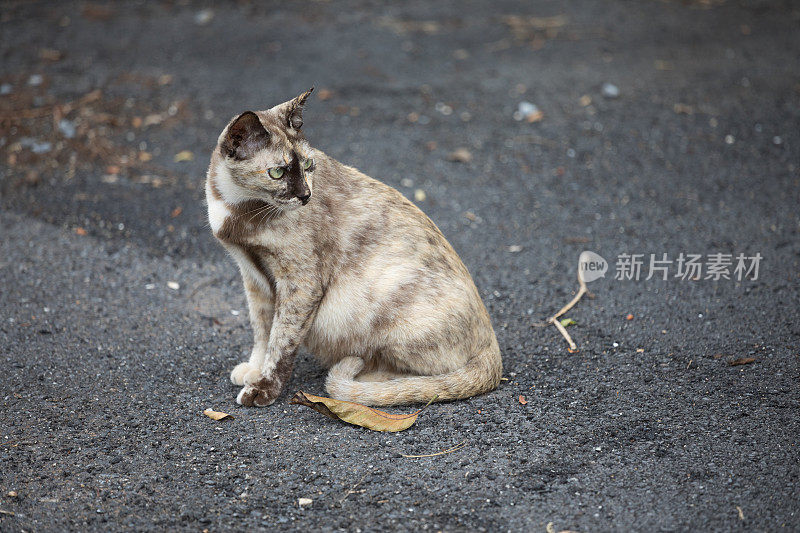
x=245 y=137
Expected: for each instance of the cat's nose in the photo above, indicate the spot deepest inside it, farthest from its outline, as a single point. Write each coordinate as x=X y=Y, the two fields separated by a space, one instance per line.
x=305 y=198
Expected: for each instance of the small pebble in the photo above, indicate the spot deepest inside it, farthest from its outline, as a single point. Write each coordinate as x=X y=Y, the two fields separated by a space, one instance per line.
x=5 y=89
x=304 y=502
x=527 y=111
x=419 y=195
x=610 y=90
x=35 y=80
x=35 y=146
x=173 y=285
x=203 y=17
x=730 y=139
x=777 y=140
x=67 y=128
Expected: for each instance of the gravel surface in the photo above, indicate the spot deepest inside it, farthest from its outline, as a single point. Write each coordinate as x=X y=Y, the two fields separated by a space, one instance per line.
x=661 y=127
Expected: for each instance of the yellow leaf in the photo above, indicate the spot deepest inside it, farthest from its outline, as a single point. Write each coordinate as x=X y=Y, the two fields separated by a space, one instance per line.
x=216 y=415
x=184 y=155
x=355 y=413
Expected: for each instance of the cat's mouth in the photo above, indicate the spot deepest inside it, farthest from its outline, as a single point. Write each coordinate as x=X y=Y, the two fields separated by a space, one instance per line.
x=290 y=205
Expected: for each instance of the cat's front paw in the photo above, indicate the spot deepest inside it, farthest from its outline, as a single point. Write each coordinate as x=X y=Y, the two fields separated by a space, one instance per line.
x=260 y=393
x=241 y=371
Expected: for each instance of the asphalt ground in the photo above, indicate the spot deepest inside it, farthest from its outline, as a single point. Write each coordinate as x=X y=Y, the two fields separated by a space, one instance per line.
x=106 y=369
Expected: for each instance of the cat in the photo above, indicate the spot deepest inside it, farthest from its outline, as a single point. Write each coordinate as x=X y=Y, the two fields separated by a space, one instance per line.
x=346 y=266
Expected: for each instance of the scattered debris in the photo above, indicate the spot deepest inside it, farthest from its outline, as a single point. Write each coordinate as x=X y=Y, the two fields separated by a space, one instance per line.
x=567 y=322
x=629 y=317
x=80 y=231
x=522 y=400
x=216 y=415
x=609 y=90
x=514 y=248
x=460 y=155
x=35 y=80
x=36 y=146
x=585 y=100
x=741 y=513
x=419 y=195
x=304 y=502
x=67 y=128
x=183 y=155
x=357 y=414
x=528 y=112
x=742 y=361
x=176 y=212
x=12 y=494
x=50 y=54
x=174 y=285
x=203 y=17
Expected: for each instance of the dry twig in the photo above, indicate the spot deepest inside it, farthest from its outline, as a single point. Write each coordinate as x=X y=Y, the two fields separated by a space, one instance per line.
x=443 y=452
x=554 y=319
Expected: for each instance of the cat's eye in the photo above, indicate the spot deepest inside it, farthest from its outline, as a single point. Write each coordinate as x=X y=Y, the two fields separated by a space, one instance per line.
x=276 y=173
x=308 y=163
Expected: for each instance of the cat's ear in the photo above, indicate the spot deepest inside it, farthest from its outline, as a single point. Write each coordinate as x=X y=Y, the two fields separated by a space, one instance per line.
x=245 y=137
x=294 y=110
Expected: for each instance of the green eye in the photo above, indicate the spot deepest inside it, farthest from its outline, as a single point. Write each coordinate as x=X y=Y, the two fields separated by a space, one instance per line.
x=307 y=164
x=276 y=173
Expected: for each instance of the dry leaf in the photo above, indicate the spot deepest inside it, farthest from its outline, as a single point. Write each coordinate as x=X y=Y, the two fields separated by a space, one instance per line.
x=184 y=155
x=355 y=413
x=742 y=361
x=522 y=400
x=460 y=155
x=216 y=415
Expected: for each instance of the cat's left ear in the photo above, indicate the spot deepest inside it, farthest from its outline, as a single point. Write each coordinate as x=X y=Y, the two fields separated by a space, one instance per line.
x=294 y=110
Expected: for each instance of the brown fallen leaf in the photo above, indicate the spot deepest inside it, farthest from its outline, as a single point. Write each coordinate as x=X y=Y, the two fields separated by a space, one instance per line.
x=216 y=415
x=742 y=361
x=355 y=413
x=522 y=400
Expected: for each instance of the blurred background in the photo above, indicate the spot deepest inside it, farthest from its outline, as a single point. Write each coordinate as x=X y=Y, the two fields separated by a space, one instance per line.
x=528 y=131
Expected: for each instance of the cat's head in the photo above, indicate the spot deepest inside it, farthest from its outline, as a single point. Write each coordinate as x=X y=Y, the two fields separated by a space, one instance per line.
x=264 y=155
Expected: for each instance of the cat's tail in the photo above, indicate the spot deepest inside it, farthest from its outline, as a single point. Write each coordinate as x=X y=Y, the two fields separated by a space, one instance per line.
x=480 y=374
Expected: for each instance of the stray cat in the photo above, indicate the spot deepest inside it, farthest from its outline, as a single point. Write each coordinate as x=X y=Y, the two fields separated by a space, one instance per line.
x=346 y=266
